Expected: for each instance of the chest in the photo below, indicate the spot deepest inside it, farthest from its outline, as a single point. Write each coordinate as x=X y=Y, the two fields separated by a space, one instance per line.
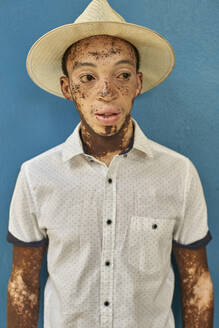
x=80 y=201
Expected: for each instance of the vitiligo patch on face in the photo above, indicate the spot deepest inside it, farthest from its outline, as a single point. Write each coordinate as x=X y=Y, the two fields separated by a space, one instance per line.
x=77 y=92
x=102 y=76
x=82 y=45
x=105 y=53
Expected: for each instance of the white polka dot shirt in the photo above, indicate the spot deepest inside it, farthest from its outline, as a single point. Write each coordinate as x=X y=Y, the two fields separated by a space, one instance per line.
x=109 y=230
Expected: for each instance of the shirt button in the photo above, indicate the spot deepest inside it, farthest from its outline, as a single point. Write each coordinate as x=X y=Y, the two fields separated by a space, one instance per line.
x=107 y=263
x=109 y=221
x=106 y=303
x=91 y=160
x=110 y=180
x=154 y=226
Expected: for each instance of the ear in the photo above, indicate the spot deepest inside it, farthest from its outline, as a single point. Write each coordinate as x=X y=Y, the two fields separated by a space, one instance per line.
x=65 y=87
x=139 y=83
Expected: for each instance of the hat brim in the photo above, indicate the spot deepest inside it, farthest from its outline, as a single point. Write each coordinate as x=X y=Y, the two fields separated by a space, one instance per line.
x=44 y=58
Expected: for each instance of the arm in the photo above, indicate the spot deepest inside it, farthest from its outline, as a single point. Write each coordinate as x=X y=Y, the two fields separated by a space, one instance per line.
x=24 y=287
x=197 y=295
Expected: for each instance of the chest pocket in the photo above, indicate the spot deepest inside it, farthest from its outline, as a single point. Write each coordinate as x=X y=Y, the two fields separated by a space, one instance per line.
x=149 y=243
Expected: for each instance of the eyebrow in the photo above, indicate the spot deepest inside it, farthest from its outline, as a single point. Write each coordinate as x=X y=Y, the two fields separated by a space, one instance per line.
x=82 y=64
x=79 y=64
x=125 y=61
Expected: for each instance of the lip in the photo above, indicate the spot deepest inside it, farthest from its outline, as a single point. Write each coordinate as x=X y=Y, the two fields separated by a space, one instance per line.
x=108 y=110
x=112 y=119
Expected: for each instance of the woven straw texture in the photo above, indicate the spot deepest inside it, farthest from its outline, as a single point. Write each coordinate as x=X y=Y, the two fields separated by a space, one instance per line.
x=44 y=58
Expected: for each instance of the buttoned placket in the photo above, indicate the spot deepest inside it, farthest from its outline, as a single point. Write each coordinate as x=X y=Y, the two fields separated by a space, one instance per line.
x=108 y=238
x=108 y=243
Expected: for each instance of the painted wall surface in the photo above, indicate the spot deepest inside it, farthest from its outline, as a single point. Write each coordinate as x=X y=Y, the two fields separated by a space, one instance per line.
x=182 y=113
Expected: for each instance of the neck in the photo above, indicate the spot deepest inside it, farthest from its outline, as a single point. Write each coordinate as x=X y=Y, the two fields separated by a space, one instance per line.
x=106 y=146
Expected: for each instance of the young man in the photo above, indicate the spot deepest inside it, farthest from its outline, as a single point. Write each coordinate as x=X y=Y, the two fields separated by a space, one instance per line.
x=109 y=203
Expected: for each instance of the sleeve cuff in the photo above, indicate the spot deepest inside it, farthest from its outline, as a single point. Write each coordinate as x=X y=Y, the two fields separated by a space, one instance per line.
x=12 y=239
x=197 y=244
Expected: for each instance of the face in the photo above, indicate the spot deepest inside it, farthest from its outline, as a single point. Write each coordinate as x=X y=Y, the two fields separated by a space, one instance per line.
x=103 y=82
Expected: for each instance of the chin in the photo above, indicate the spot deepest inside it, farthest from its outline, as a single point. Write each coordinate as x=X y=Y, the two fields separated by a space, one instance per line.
x=107 y=130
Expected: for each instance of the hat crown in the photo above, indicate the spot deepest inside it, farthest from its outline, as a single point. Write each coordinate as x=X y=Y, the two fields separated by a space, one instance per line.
x=99 y=10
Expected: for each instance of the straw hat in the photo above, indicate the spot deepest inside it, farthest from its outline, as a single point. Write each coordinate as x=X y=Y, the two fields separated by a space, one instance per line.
x=44 y=58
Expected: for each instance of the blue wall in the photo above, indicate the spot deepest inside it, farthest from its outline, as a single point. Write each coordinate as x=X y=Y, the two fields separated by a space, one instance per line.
x=182 y=113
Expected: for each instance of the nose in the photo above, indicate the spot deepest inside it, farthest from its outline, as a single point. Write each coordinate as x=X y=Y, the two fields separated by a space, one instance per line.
x=106 y=90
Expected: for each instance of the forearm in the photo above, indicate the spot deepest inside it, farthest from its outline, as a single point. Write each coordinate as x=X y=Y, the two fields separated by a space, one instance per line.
x=24 y=287
x=22 y=305
x=197 y=304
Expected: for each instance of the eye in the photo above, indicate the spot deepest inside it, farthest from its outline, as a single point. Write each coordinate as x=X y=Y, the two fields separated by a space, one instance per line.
x=124 y=76
x=86 y=78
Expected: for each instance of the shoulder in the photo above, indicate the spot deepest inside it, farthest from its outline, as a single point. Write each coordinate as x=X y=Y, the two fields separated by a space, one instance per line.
x=168 y=153
x=173 y=164
x=45 y=161
x=167 y=157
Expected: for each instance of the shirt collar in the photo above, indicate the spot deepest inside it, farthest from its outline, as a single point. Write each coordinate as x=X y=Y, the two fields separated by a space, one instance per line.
x=73 y=145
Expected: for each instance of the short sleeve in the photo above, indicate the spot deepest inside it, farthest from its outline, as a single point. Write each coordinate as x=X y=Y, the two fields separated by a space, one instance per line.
x=192 y=229
x=23 y=228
